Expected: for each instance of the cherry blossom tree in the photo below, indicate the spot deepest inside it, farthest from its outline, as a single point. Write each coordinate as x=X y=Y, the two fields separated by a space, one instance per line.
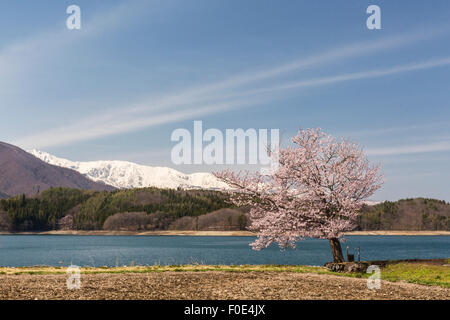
x=316 y=191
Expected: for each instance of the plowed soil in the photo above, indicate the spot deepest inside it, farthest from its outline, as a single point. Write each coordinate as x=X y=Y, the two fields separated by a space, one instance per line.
x=210 y=285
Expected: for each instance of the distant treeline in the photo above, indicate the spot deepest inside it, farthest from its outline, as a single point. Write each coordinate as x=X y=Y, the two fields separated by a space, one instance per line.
x=163 y=209
x=87 y=210
x=41 y=212
x=406 y=214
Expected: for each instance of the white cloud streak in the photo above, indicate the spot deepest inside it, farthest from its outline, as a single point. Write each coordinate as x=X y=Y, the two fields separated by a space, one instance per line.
x=91 y=128
x=410 y=149
x=97 y=127
x=385 y=131
x=209 y=92
x=212 y=98
x=359 y=75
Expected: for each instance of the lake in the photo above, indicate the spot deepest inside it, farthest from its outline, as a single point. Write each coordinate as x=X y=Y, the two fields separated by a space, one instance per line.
x=64 y=250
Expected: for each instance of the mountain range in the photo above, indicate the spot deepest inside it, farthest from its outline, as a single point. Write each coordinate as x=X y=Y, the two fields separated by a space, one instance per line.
x=28 y=172
x=22 y=173
x=128 y=175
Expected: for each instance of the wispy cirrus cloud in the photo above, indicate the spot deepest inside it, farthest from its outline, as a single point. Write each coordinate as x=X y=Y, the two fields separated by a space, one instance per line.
x=206 y=99
x=398 y=129
x=101 y=126
x=359 y=75
x=410 y=149
x=92 y=128
x=221 y=89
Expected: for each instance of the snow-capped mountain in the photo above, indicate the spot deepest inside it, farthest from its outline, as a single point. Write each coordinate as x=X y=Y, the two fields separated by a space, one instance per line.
x=371 y=203
x=124 y=174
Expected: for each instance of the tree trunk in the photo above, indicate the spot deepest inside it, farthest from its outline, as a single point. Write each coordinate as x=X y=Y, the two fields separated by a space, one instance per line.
x=336 y=250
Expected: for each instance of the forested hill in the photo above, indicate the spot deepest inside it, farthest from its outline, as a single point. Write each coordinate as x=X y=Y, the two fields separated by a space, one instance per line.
x=87 y=210
x=407 y=214
x=162 y=209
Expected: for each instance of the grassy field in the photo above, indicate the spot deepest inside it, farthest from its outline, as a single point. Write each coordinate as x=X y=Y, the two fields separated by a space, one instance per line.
x=418 y=273
x=426 y=274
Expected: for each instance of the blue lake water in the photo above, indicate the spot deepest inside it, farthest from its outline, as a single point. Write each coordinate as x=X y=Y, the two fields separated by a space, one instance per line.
x=63 y=250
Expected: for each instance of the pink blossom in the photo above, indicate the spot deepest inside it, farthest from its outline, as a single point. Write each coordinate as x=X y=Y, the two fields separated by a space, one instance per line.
x=317 y=191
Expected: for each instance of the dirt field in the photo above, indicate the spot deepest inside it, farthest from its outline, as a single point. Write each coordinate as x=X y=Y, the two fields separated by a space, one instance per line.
x=210 y=285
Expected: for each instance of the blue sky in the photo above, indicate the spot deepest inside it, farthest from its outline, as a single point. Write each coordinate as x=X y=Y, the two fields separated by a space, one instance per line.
x=137 y=70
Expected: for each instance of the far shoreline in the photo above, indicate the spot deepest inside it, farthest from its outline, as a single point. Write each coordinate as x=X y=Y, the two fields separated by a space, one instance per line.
x=216 y=233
